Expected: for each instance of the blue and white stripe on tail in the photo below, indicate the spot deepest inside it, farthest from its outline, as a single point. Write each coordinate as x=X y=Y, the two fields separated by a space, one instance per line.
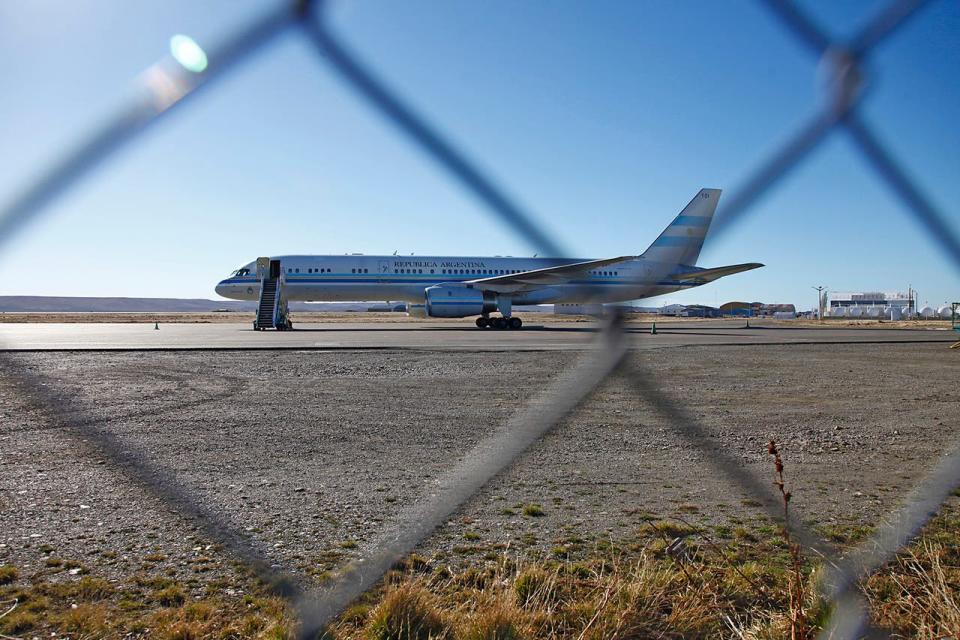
x=680 y=242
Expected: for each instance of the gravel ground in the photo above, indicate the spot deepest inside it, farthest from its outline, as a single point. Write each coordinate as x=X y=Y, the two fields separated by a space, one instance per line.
x=312 y=455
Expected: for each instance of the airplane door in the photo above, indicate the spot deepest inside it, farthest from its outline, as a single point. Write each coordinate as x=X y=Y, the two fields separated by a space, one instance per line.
x=383 y=268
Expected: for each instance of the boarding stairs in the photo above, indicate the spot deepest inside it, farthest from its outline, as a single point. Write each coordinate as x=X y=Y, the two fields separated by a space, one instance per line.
x=269 y=299
x=272 y=311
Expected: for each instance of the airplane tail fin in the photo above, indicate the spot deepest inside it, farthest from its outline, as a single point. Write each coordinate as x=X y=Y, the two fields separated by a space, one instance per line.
x=681 y=241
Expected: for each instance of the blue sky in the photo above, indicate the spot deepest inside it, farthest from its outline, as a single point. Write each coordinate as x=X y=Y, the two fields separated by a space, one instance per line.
x=602 y=118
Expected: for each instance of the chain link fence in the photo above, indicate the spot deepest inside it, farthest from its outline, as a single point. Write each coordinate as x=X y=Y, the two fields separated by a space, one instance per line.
x=168 y=84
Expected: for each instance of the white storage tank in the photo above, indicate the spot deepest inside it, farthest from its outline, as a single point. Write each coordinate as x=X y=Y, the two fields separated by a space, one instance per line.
x=928 y=313
x=944 y=312
x=874 y=312
x=839 y=312
x=894 y=313
x=854 y=312
x=906 y=312
x=784 y=315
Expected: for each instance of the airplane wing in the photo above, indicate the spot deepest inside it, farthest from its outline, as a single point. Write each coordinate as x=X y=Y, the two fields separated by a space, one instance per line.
x=701 y=276
x=543 y=277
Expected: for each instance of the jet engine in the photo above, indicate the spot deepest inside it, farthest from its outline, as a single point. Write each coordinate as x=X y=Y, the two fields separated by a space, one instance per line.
x=458 y=301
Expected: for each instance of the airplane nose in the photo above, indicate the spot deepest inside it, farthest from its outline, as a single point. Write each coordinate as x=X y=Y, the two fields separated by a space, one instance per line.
x=221 y=289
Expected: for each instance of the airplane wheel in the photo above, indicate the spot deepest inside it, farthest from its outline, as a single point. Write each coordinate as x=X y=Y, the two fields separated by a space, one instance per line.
x=516 y=323
x=498 y=323
x=482 y=322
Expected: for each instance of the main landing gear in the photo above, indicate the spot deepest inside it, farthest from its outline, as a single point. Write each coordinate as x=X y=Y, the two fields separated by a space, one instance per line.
x=499 y=323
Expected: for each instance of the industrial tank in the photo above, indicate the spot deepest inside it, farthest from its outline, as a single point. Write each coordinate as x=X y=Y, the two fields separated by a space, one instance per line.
x=928 y=313
x=906 y=312
x=894 y=313
x=854 y=312
x=944 y=312
x=874 y=312
x=838 y=312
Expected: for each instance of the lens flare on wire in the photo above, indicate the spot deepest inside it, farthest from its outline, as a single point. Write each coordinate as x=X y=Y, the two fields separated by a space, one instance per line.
x=188 y=53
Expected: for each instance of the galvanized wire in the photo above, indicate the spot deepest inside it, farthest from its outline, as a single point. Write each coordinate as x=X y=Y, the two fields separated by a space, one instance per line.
x=166 y=85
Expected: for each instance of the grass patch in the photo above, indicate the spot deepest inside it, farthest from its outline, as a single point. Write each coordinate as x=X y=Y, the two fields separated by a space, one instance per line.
x=172 y=596
x=613 y=588
x=8 y=573
x=668 y=528
x=408 y=612
x=632 y=588
x=533 y=511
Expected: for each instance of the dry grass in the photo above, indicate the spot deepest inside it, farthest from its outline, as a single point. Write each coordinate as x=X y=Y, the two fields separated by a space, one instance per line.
x=917 y=596
x=7 y=574
x=635 y=588
x=743 y=588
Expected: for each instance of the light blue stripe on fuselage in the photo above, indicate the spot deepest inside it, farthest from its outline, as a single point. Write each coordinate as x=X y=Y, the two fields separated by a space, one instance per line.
x=430 y=280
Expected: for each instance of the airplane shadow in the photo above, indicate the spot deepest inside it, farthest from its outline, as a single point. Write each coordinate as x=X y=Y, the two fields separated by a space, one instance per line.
x=528 y=327
x=670 y=329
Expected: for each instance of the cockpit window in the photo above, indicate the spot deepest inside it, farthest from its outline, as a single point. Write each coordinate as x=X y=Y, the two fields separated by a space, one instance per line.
x=241 y=272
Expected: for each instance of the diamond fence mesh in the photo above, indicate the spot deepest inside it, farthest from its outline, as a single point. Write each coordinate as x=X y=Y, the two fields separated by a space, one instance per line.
x=167 y=84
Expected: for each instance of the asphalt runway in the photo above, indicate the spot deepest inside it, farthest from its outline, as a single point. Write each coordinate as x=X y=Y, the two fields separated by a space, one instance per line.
x=559 y=336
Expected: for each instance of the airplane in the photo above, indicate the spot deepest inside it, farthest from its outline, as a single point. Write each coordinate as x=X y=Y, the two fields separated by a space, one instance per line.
x=463 y=286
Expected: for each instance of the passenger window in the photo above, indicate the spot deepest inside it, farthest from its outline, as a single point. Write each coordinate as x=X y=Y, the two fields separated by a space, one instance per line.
x=419 y=270
x=431 y=270
x=364 y=270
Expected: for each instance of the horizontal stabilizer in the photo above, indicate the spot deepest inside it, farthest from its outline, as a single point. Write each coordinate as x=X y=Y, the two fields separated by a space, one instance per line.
x=701 y=276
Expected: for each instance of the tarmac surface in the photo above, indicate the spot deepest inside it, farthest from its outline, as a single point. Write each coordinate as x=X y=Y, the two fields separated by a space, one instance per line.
x=560 y=336
x=128 y=452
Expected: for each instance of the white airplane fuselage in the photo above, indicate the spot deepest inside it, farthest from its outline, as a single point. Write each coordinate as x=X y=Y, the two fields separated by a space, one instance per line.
x=462 y=286
x=382 y=278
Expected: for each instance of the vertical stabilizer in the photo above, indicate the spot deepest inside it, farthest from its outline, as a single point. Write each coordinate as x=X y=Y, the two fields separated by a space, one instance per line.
x=681 y=241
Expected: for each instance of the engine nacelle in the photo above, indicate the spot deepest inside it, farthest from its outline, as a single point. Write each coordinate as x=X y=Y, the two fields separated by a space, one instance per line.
x=458 y=301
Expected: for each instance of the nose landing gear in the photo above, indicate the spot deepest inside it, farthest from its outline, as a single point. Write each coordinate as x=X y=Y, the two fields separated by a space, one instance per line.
x=499 y=323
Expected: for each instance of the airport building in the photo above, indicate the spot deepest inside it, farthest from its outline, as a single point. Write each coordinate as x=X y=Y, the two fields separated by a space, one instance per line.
x=876 y=304
x=871 y=299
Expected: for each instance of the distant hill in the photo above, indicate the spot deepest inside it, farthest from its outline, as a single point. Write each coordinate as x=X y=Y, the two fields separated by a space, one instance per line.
x=65 y=304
